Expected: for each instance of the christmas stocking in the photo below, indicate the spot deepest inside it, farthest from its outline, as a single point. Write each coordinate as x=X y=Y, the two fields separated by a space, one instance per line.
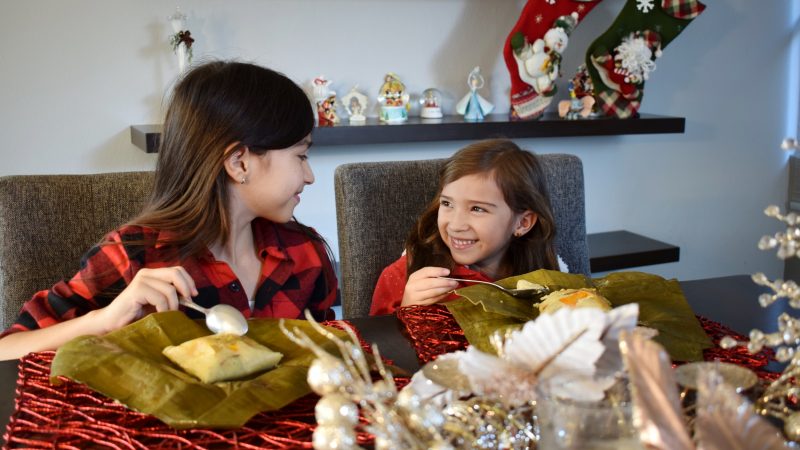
x=533 y=51
x=621 y=59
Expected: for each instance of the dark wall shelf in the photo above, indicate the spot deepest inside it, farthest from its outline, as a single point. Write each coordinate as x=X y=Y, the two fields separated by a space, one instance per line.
x=454 y=128
x=615 y=250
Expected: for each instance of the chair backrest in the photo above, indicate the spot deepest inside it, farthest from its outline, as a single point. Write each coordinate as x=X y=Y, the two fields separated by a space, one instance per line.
x=377 y=204
x=47 y=222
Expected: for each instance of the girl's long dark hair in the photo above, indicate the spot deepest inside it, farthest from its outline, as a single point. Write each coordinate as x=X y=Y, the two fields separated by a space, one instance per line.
x=212 y=106
x=520 y=177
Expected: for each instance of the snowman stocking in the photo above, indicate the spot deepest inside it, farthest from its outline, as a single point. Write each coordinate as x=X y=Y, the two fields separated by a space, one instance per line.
x=621 y=59
x=532 y=51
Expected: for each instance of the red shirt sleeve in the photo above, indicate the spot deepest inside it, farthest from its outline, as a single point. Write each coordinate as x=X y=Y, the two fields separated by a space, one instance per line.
x=105 y=271
x=390 y=287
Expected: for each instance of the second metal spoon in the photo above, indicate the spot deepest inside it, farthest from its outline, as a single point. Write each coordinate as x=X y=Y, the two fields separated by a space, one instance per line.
x=519 y=293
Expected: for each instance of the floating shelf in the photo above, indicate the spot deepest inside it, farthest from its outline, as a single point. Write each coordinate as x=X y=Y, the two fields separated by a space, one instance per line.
x=615 y=250
x=454 y=128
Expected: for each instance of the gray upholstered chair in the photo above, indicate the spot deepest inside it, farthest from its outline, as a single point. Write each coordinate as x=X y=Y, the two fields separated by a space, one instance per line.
x=47 y=222
x=377 y=203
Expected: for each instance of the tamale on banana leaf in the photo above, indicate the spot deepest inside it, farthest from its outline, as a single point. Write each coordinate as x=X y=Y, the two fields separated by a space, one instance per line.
x=127 y=365
x=483 y=310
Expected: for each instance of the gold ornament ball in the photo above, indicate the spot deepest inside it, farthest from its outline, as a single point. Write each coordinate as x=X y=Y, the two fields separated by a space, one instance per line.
x=792 y=426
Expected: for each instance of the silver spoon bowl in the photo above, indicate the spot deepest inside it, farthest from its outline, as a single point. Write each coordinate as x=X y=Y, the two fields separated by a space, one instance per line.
x=220 y=318
x=519 y=293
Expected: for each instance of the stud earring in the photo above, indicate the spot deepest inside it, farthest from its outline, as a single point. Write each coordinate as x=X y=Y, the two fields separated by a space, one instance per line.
x=244 y=180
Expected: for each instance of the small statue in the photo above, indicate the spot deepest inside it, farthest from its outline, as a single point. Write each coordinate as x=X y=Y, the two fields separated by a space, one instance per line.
x=431 y=102
x=355 y=103
x=326 y=111
x=393 y=99
x=575 y=108
x=474 y=107
x=325 y=101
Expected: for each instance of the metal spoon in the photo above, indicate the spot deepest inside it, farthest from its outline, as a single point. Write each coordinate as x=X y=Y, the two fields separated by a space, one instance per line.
x=220 y=318
x=519 y=293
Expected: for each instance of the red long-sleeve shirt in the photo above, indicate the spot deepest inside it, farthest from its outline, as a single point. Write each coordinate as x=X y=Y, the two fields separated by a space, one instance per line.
x=295 y=274
x=391 y=284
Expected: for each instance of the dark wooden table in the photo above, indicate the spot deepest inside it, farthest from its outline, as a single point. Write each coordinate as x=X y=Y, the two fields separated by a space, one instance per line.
x=732 y=301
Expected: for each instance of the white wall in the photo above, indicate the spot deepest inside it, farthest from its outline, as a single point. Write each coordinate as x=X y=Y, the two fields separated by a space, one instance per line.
x=74 y=75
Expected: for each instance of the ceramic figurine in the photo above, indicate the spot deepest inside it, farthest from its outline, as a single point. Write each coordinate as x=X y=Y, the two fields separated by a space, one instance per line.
x=355 y=103
x=326 y=111
x=431 y=102
x=393 y=99
x=575 y=107
x=474 y=107
x=325 y=101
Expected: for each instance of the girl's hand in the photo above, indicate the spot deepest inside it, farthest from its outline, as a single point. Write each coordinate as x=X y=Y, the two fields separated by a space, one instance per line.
x=150 y=289
x=424 y=287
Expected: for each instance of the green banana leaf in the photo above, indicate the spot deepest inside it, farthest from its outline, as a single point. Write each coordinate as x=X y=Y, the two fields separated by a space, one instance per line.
x=484 y=310
x=127 y=365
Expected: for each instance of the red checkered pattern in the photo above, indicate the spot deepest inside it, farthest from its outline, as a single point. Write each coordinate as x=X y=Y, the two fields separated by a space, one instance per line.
x=615 y=105
x=683 y=9
x=296 y=274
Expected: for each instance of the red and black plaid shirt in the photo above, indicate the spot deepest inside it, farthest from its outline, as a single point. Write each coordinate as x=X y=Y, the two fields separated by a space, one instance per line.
x=296 y=274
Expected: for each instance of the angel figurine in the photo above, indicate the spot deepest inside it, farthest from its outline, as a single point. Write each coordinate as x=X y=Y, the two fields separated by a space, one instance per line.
x=393 y=99
x=355 y=103
x=325 y=101
x=431 y=102
x=474 y=107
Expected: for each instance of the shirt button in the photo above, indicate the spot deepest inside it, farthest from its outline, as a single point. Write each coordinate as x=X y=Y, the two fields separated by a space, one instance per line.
x=234 y=287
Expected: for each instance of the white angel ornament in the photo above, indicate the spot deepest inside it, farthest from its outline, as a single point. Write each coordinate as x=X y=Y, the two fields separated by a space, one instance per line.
x=472 y=106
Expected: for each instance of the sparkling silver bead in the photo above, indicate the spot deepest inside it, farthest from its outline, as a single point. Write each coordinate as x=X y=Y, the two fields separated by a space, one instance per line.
x=784 y=354
x=329 y=437
x=772 y=211
x=327 y=375
x=408 y=399
x=728 y=342
x=754 y=347
x=766 y=299
x=760 y=278
x=767 y=242
x=336 y=410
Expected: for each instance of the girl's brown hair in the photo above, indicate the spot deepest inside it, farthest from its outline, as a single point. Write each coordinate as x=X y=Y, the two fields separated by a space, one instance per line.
x=213 y=106
x=519 y=176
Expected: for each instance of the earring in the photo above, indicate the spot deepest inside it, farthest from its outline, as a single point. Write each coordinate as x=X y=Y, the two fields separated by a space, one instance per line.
x=244 y=180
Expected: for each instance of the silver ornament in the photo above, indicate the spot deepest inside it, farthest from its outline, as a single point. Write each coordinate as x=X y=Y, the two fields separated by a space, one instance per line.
x=326 y=375
x=336 y=410
x=330 y=437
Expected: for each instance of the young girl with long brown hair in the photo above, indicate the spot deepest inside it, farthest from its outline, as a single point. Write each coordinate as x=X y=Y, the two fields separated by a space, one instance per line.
x=490 y=219
x=219 y=226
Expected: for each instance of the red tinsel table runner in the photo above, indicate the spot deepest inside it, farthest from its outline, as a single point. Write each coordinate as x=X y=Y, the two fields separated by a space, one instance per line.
x=72 y=416
x=433 y=331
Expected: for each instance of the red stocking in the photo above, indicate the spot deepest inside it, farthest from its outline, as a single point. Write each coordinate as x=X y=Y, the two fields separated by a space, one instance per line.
x=533 y=51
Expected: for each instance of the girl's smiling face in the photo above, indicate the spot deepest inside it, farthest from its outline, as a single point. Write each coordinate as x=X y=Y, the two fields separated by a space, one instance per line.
x=476 y=223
